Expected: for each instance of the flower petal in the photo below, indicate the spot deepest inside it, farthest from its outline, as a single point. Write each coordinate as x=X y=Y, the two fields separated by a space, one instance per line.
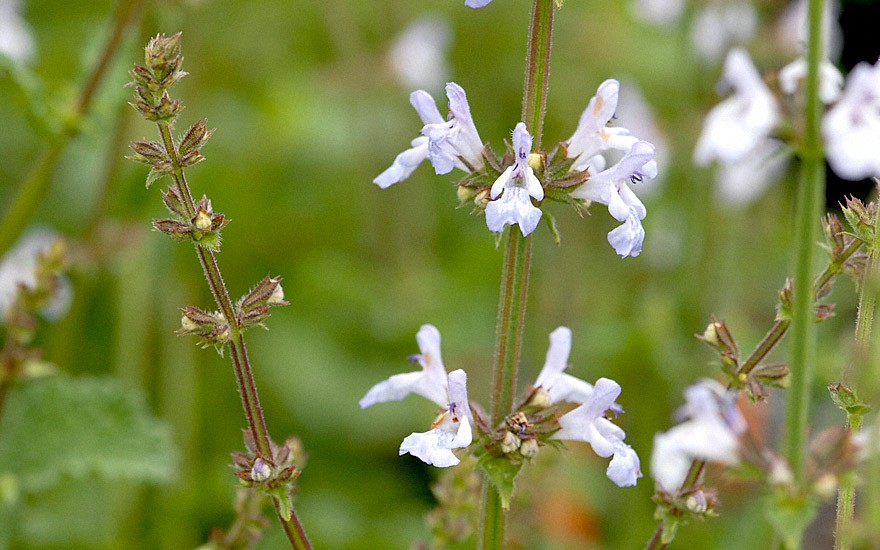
x=404 y=164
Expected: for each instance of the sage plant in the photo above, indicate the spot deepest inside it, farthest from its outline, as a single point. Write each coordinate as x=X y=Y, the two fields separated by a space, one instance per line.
x=267 y=467
x=597 y=164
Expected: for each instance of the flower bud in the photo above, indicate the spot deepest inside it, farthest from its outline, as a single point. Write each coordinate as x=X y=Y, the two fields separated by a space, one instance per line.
x=510 y=443
x=202 y=220
x=529 y=448
x=465 y=194
x=188 y=325
x=825 y=486
x=696 y=502
x=260 y=471
x=277 y=297
x=536 y=161
x=540 y=398
x=710 y=335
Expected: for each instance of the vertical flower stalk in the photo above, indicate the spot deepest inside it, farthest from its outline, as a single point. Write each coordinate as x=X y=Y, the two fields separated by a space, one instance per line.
x=197 y=222
x=515 y=271
x=809 y=209
x=846 y=497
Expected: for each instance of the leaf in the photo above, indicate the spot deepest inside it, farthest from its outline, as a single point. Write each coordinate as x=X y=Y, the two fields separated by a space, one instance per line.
x=502 y=472
x=76 y=427
x=153 y=176
x=790 y=517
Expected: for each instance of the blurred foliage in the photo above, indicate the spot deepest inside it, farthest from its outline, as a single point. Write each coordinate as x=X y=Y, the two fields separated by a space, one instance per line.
x=307 y=112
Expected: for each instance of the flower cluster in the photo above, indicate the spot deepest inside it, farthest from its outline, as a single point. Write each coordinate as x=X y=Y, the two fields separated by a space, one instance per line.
x=739 y=130
x=596 y=164
x=539 y=419
x=710 y=430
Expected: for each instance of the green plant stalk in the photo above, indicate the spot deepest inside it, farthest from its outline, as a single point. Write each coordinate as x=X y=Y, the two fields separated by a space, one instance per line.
x=846 y=496
x=515 y=270
x=764 y=347
x=35 y=186
x=244 y=376
x=809 y=209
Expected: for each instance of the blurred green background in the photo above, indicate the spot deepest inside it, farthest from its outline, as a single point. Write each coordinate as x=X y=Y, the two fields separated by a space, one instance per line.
x=308 y=111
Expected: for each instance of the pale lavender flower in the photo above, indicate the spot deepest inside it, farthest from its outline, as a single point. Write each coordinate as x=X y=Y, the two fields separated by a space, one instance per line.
x=16 y=37
x=559 y=385
x=418 y=54
x=587 y=423
x=593 y=135
x=661 y=12
x=18 y=268
x=710 y=431
x=516 y=185
x=476 y=3
x=454 y=143
x=851 y=128
x=407 y=161
x=430 y=382
x=453 y=428
x=717 y=27
x=610 y=187
x=830 y=79
x=448 y=144
x=740 y=183
x=734 y=127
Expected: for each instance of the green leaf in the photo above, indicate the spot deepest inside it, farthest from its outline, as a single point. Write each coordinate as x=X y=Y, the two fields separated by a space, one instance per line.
x=790 y=517
x=502 y=472
x=76 y=427
x=153 y=176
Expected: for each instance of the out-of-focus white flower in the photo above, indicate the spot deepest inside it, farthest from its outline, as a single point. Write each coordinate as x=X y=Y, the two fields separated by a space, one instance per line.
x=741 y=182
x=830 y=79
x=660 y=12
x=452 y=143
x=476 y=3
x=610 y=187
x=710 y=431
x=453 y=427
x=16 y=38
x=518 y=184
x=851 y=128
x=18 y=268
x=418 y=54
x=587 y=423
x=734 y=127
x=718 y=27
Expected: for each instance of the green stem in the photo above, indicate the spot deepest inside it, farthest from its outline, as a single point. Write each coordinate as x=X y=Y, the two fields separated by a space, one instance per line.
x=538 y=68
x=493 y=519
x=809 y=209
x=35 y=186
x=510 y=322
x=516 y=268
x=244 y=376
x=846 y=497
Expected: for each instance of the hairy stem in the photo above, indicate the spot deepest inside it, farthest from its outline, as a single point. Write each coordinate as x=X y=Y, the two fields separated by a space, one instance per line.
x=36 y=184
x=244 y=376
x=809 y=209
x=846 y=496
x=516 y=268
